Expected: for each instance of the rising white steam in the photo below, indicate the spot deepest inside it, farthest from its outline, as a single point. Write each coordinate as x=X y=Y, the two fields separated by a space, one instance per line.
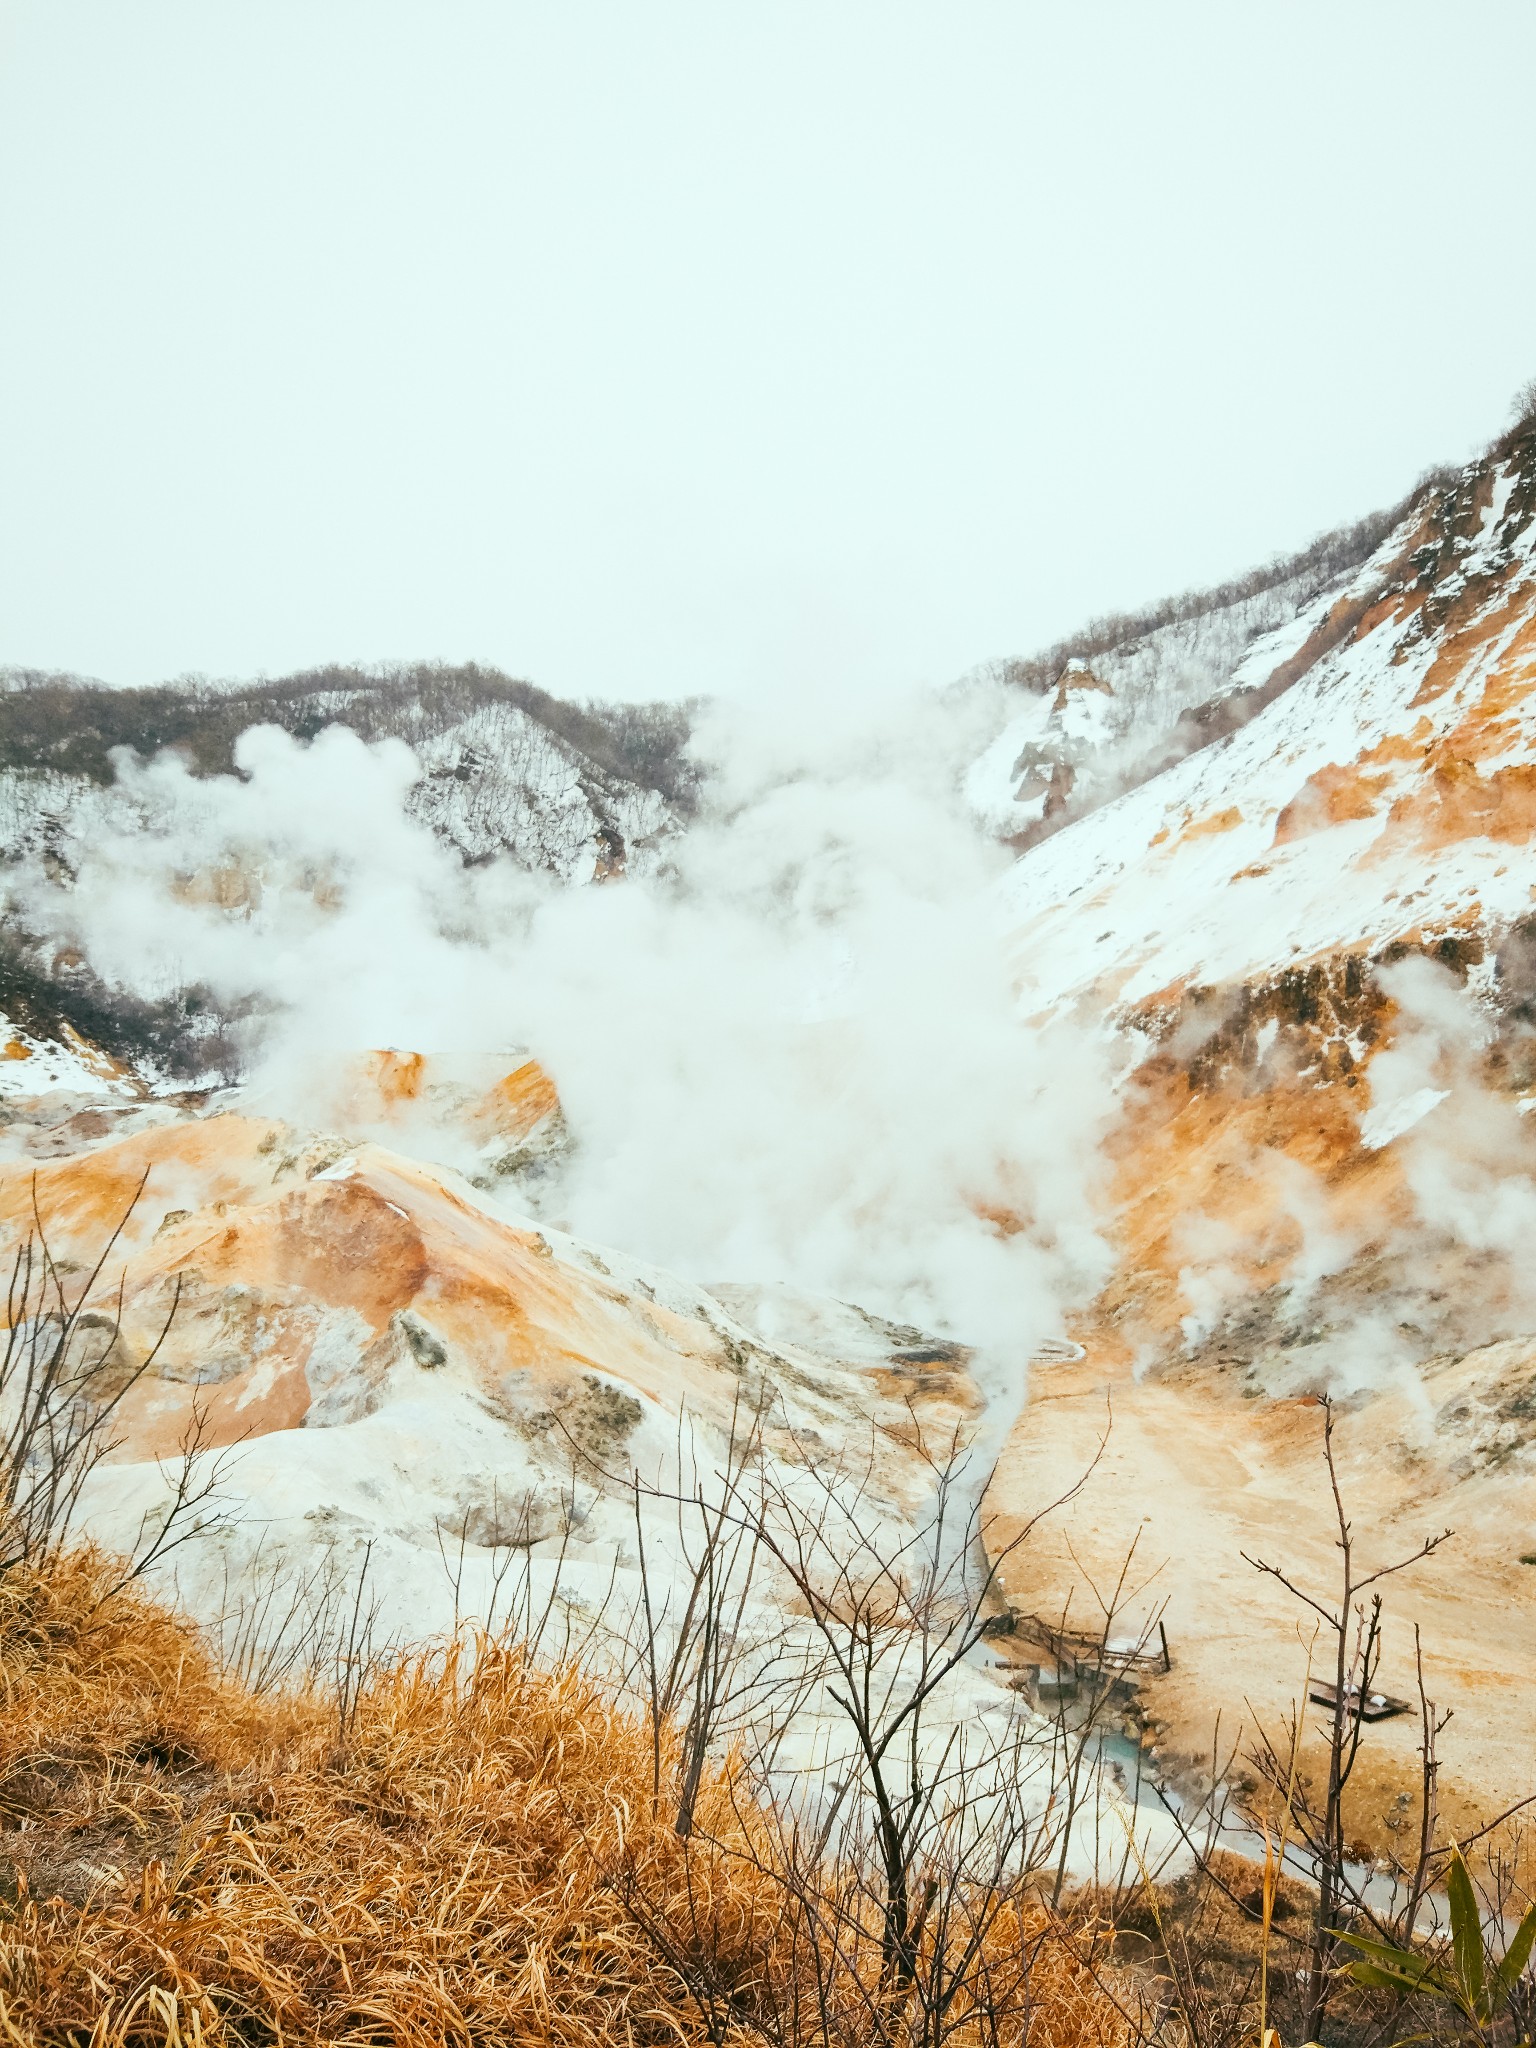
x=1465 y=1148
x=795 y=1057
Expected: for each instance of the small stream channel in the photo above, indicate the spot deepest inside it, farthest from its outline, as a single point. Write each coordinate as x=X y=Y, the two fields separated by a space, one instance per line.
x=1132 y=1770
x=1124 y=1759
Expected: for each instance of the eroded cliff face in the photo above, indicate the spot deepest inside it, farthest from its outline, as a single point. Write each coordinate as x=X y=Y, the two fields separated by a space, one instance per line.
x=1348 y=875
x=1380 y=797
x=1317 y=934
x=1282 y=1237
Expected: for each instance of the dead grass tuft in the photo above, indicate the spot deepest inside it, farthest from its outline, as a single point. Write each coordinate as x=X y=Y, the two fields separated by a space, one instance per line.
x=479 y=1860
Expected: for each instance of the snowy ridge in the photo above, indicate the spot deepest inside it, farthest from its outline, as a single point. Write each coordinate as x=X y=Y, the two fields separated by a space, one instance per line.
x=33 y=1066
x=497 y=782
x=1380 y=794
x=1111 y=719
x=1164 y=684
x=499 y=776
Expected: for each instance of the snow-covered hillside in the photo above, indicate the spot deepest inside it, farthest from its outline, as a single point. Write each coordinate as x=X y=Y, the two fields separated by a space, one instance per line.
x=498 y=771
x=579 y=793
x=1115 y=704
x=1311 y=936
x=1386 y=789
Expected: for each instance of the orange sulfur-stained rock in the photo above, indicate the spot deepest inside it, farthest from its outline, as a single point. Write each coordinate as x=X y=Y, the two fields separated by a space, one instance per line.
x=389 y=1363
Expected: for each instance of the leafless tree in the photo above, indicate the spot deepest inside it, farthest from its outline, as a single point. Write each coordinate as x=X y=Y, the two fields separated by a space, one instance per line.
x=65 y=1376
x=1349 y=1626
x=907 y=1849
x=689 y=1665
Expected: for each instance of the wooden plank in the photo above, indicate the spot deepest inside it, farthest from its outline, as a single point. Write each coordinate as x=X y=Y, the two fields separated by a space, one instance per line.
x=1377 y=1706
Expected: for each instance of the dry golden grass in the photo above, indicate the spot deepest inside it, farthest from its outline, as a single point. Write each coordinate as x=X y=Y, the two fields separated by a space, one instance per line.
x=480 y=1860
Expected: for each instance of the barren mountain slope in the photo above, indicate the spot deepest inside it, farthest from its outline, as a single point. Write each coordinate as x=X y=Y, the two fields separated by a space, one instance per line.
x=1111 y=706
x=1318 y=932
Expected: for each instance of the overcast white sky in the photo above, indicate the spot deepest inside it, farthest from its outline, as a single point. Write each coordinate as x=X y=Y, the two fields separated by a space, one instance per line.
x=648 y=347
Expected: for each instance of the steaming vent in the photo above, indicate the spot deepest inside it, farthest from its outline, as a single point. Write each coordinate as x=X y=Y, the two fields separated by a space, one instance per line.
x=1056 y=1351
